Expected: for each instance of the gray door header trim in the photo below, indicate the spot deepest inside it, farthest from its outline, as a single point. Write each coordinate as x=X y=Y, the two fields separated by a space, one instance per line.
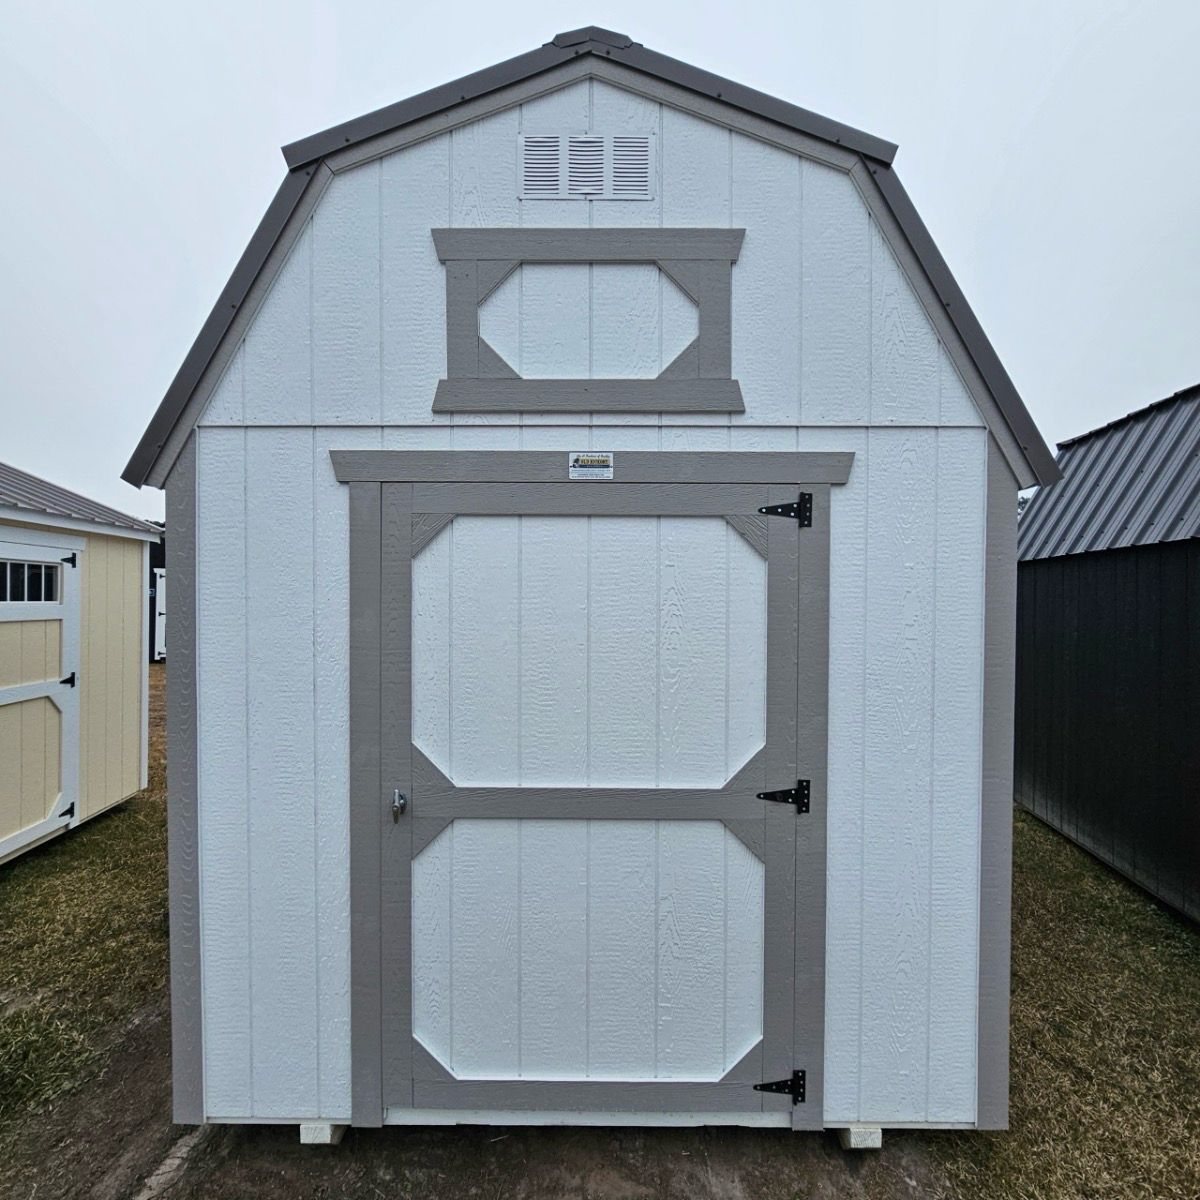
x=550 y=466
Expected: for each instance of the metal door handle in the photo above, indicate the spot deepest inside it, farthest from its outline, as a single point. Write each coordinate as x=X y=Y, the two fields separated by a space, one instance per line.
x=399 y=804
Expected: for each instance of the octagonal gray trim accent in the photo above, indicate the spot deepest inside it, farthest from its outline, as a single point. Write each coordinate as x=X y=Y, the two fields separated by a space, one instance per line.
x=699 y=261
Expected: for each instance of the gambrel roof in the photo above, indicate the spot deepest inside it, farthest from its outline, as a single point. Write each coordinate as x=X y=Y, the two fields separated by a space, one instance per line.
x=451 y=104
x=1132 y=482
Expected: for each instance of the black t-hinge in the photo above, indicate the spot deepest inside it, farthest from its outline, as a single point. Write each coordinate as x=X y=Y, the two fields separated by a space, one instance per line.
x=70 y=560
x=69 y=680
x=793 y=1087
x=800 y=511
x=799 y=795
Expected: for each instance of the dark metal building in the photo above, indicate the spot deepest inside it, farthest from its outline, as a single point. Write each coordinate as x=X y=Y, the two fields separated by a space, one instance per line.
x=1108 y=648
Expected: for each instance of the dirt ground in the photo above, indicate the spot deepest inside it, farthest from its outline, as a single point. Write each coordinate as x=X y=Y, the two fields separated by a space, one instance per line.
x=1106 y=1075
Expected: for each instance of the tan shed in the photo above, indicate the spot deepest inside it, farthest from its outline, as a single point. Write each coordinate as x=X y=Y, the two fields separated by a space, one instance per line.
x=73 y=661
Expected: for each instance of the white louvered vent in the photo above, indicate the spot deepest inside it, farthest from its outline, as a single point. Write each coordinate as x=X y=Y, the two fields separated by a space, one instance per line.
x=586 y=167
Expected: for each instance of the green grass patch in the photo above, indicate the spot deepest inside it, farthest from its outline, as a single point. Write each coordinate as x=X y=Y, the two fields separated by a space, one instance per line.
x=83 y=941
x=1105 y=1095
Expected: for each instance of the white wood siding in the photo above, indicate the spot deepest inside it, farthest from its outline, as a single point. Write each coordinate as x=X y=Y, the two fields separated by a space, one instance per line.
x=826 y=329
x=832 y=351
x=589 y=651
x=903 y=821
x=595 y=949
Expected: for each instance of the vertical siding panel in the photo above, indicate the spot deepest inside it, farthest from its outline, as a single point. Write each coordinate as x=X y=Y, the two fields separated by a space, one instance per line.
x=622 y=948
x=90 y=737
x=849 y=543
x=691 y=947
x=553 y=651
x=279 y=532
x=743 y=950
x=278 y=349
x=133 y=603
x=432 y=680
x=484 y=968
x=345 y=300
x=696 y=191
x=904 y=348
x=766 y=308
x=484 y=669
x=114 y=691
x=622 y=652
x=552 y=944
x=415 y=200
x=225 y=406
x=955 y=404
x=431 y=952
x=224 y=797
x=957 y=766
x=331 y=761
x=898 y=718
x=484 y=191
x=835 y=364
x=691 y=654
x=745 y=650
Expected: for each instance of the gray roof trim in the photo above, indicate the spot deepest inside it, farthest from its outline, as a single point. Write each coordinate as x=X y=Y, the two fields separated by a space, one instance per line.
x=303 y=155
x=1133 y=482
x=590 y=40
x=1012 y=407
x=26 y=493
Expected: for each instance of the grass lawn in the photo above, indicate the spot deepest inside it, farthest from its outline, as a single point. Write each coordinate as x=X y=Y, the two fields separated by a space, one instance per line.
x=1105 y=1048
x=83 y=941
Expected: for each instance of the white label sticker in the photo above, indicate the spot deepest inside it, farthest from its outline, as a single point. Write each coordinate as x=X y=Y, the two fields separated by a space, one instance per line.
x=590 y=464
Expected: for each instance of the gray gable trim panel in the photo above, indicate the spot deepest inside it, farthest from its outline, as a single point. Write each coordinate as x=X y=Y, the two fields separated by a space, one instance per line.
x=618 y=49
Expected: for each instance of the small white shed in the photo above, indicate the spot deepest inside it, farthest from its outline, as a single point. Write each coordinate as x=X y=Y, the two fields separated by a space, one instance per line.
x=598 y=707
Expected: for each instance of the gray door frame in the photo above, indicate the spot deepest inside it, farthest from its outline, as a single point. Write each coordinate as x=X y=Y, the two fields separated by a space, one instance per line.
x=398 y=501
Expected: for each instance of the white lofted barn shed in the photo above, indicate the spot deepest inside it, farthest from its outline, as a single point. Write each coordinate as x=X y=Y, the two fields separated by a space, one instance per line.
x=597 y=705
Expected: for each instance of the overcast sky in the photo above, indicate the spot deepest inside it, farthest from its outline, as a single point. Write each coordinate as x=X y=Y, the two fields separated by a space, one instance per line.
x=1050 y=145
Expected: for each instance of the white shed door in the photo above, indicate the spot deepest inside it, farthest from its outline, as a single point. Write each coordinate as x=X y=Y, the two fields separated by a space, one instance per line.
x=39 y=694
x=586 y=903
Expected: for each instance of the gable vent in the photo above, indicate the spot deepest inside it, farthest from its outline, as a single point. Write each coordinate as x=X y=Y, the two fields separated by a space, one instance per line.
x=586 y=167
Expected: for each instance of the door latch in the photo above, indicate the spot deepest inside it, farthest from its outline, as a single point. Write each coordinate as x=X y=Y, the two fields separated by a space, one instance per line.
x=399 y=804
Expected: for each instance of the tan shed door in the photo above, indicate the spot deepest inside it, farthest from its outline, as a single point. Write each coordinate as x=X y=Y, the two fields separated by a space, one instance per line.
x=39 y=692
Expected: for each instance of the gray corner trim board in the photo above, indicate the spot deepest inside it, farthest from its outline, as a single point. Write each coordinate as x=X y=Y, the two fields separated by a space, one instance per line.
x=366 y=978
x=630 y=466
x=996 y=824
x=699 y=261
x=183 y=832
x=414 y=492
x=632 y=66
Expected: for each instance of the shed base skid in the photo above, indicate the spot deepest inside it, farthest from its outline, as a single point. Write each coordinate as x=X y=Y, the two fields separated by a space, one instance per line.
x=320 y=1133
x=861 y=1137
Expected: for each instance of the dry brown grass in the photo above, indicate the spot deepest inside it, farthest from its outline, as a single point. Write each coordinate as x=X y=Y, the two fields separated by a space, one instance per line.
x=1105 y=1041
x=83 y=940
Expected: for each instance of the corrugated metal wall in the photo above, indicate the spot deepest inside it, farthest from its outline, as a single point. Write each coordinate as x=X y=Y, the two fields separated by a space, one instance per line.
x=1108 y=709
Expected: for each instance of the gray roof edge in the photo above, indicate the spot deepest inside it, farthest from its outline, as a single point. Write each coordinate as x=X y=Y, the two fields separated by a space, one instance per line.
x=1023 y=427
x=44 y=498
x=589 y=40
